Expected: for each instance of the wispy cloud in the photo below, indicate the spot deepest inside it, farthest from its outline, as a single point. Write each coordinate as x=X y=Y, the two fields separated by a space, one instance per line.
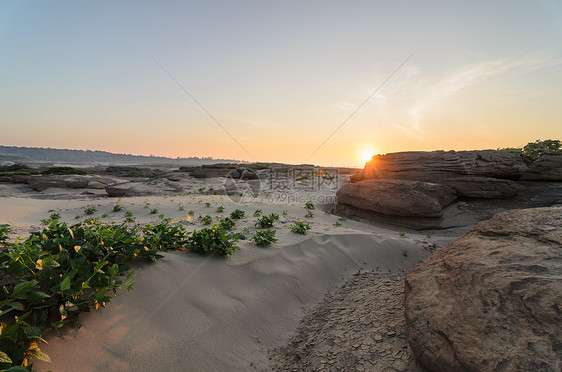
x=411 y=99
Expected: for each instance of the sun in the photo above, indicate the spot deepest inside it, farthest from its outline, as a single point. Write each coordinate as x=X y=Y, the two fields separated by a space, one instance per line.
x=366 y=155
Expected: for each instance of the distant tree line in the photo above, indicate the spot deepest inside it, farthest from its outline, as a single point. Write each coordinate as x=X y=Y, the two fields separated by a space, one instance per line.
x=41 y=154
x=534 y=150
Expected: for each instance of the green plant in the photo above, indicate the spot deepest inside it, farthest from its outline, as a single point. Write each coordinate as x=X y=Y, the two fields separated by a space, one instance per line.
x=104 y=215
x=207 y=204
x=264 y=237
x=284 y=213
x=405 y=253
x=64 y=170
x=129 y=214
x=154 y=211
x=220 y=209
x=327 y=213
x=428 y=236
x=226 y=223
x=55 y=216
x=207 y=220
x=117 y=207
x=267 y=221
x=337 y=224
x=129 y=219
x=90 y=210
x=257 y=213
x=212 y=240
x=191 y=213
x=300 y=227
x=402 y=234
x=181 y=207
x=309 y=214
x=161 y=216
x=342 y=218
x=56 y=273
x=237 y=214
x=309 y=205
x=5 y=230
x=147 y=205
x=240 y=236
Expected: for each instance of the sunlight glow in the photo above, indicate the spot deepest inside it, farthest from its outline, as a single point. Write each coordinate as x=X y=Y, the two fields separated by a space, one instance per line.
x=366 y=155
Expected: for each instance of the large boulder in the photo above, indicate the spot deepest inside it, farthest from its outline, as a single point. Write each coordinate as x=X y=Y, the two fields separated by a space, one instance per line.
x=153 y=187
x=482 y=187
x=545 y=168
x=40 y=183
x=396 y=197
x=492 y=299
x=474 y=174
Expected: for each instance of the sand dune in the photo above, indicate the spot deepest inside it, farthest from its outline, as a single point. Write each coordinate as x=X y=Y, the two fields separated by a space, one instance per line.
x=209 y=313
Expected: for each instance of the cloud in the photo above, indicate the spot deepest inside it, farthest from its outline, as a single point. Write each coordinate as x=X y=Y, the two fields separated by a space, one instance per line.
x=410 y=98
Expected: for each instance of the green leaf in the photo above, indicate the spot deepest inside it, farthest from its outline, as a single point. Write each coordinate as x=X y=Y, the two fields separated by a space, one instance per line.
x=65 y=284
x=23 y=287
x=16 y=369
x=39 y=355
x=4 y=358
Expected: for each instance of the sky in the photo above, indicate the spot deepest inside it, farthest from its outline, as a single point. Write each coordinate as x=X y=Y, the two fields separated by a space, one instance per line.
x=321 y=82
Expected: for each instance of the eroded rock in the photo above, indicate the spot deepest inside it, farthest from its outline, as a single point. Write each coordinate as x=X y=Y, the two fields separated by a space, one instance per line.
x=492 y=299
x=396 y=197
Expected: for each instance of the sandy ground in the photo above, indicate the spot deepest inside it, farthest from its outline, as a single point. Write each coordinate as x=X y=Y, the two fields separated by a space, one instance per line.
x=197 y=313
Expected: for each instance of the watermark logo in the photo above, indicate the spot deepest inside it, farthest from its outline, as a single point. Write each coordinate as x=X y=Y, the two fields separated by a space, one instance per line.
x=283 y=184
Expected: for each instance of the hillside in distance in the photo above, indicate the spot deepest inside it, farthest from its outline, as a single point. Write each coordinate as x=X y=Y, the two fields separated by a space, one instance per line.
x=48 y=155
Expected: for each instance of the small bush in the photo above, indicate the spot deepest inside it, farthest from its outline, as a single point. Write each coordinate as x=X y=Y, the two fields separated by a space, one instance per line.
x=257 y=213
x=64 y=170
x=191 y=213
x=220 y=209
x=90 y=210
x=300 y=227
x=181 y=207
x=207 y=204
x=309 y=214
x=226 y=223
x=5 y=230
x=117 y=207
x=212 y=240
x=154 y=211
x=128 y=214
x=207 y=220
x=237 y=214
x=264 y=237
x=267 y=221
x=309 y=205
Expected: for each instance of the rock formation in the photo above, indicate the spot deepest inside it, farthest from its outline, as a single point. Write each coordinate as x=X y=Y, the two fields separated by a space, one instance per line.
x=492 y=299
x=396 y=197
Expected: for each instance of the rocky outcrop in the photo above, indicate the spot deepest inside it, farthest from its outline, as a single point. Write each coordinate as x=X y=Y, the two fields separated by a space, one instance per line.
x=473 y=174
x=40 y=183
x=140 y=188
x=491 y=300
x=545 y=168
x=396 y=197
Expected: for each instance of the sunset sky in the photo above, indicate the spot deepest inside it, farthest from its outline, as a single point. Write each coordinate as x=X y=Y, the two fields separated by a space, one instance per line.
x=279 y=76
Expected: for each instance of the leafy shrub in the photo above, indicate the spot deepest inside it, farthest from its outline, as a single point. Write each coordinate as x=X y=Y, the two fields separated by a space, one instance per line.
x=226 y=223
x=181 y=207
x=207 y=204
x=264 y=237
x=5 y=230
x=257 y=213
x=206 y=220
x=191 y=213
x=64 y=170
x=337 y=224
x=267 y=221
x=117 y=207
x=212 y=240
x=300 y=227
x=237 y=214
x=129 y=214
x=309 y=214
x=55 y=216
x=536 y=149
x=220 y=209
x=55 y=274
x=309 y=205
x=154 y=211
x=90 y=210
